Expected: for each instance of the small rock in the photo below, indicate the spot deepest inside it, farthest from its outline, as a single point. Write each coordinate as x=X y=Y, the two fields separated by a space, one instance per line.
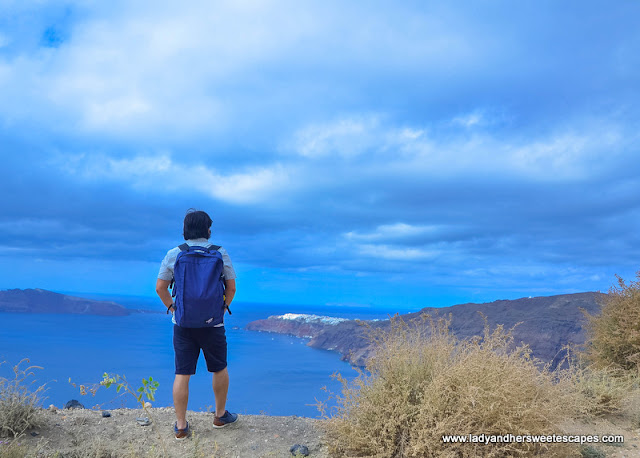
x=299 y=450
x=106 y=414
x=143 y=421
x=147 y=405
x=34 y=434
x=52 y=408
x=73 y=404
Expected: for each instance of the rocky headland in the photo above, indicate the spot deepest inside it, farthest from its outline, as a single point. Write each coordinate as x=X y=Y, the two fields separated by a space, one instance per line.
x=547 y=324
x=43 y=301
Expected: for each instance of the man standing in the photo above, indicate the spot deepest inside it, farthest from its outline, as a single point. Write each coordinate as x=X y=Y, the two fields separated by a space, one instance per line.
x=209 y=335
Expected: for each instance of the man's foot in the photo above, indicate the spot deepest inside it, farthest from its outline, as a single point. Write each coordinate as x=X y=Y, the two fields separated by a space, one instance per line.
x=226 y=419
x=181 y=433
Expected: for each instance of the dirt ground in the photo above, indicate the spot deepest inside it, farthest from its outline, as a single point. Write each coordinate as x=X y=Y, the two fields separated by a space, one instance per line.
x=86 y=433
x=618 y=425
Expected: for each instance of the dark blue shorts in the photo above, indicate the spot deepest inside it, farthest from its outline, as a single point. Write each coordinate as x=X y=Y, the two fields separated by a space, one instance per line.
x=187 y=343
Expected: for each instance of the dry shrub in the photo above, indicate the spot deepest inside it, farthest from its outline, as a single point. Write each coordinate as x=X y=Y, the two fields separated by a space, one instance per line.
x=614 y=335
x=19 y=404
x=606 y=374
x=423 y=383
x=599 y=391
x=12 y=450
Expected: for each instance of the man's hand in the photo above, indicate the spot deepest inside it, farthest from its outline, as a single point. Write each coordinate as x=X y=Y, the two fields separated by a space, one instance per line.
x=229 y=292
x=162 y=289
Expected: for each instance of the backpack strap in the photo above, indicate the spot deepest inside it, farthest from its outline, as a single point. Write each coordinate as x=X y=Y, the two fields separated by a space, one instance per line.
x=183 y=247
x=216 y=248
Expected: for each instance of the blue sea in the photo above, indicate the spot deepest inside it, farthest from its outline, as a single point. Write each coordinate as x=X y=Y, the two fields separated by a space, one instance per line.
x=270 y=374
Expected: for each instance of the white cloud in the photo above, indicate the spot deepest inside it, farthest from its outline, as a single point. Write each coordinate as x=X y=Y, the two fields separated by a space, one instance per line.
x=354 y=135
x=161 y=173
x=568 y=155
x=475 y=118
x=345 y=137
x=379 y=147
x=391 y=253
x=135 y=69
x=393 y=232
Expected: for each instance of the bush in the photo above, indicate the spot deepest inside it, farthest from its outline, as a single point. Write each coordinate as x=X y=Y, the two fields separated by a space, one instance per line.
x=423 y=383
x=614 y=335
x=19 y=406
x=599 y=391
x=12 y=450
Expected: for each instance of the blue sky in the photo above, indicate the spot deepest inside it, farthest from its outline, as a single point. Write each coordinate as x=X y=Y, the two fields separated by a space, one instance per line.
x=391 y=154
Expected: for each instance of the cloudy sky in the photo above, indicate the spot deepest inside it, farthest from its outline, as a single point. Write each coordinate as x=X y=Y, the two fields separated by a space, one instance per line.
x=396 y=154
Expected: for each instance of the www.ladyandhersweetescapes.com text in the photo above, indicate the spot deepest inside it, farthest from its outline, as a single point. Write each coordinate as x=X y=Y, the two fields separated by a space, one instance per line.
x=533 y=439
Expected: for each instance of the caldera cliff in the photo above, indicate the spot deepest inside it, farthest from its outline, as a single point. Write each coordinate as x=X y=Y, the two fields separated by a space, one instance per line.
x=547 y=324
x=43 y=301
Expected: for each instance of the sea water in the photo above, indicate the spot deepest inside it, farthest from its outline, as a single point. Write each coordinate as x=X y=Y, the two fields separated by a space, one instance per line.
x=269 y=373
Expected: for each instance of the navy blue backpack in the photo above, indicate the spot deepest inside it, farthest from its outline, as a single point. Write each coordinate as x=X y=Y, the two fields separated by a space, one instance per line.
x=199 y=286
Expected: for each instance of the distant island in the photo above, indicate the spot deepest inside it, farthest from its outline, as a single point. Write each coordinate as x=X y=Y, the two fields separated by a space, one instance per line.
x=547 y=324
x=43 y=301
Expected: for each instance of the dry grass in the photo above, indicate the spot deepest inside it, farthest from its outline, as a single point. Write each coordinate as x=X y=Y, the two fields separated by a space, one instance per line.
x=614 y=335
x=423 y=383
x=12 y=450
x=599 y=391
x=606 y=373
x=19 y=404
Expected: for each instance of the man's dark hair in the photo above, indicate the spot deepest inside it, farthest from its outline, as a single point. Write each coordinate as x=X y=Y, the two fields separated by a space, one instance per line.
x=196 y=225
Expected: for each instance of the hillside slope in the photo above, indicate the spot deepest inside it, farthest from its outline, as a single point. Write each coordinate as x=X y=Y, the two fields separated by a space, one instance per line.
x=546 y=324
x=43 y=301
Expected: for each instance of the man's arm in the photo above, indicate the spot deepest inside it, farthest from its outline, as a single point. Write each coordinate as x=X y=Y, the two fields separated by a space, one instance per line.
x=229 y=291
x=162 y=288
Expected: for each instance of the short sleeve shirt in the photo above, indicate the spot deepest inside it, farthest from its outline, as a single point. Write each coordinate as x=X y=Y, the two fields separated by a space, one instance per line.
x=166 y=267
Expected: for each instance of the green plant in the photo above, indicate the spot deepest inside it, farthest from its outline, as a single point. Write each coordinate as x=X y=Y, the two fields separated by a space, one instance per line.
x=614 y=335
x=20 y=405
x=147 y=389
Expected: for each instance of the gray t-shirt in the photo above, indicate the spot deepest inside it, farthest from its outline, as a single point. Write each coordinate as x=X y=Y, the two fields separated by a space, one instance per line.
x=166 y=267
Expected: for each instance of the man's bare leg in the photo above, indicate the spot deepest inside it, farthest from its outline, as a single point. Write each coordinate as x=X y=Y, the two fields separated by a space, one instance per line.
x=181 y=399
x=220 y=389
